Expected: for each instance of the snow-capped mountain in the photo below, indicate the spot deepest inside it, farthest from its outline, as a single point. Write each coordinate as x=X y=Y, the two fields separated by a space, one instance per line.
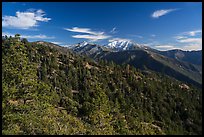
x=115 y=45
x=122 y=45
x=82 y=44
x=178 y=64
x=78 y=45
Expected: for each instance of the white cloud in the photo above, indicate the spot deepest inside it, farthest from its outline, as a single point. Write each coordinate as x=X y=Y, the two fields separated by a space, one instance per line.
x=188 y=34
x=191 y=43
x=180 y=37
x=90 y=35
x=57 y=43
x=113 y=31
x=152 y=43
x=193 y=47
x=137 y=36
x=84 y=30
x=188 y=37
x=190 y=40
x=40 y=36
x=147 y=44
x=158 y=13
x=153 y=35
x=165 y=47
x=66 y=45
x=159 y=46
x=24 y=20
x=193 y=33
x=118 y=39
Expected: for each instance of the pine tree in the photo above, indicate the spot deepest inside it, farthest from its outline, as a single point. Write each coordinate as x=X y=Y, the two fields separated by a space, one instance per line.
x=100 y=117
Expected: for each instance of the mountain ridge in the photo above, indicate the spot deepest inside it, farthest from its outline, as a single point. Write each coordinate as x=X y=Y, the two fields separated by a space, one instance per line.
x=178 y=65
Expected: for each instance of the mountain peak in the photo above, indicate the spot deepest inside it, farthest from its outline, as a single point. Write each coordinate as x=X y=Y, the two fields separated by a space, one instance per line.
x=122 y=44
x=83 y=43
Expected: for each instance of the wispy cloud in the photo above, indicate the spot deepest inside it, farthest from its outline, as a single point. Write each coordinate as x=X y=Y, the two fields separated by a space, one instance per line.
x=180 y=37
x=191 y=40
x=193 y=33
x=118 y=39
x=192 y=47
x=24 y=20
x=160 y=46
x=191 y=43
x=136 y=36
x=84 y=30
x=188 y=34
x=90 y=35
x=40 y=36
x=165 y=46
x=153 y=35
x=66 y=45
x=152 y=43
x=113 y=31
x=159 y=13
x=57 y=43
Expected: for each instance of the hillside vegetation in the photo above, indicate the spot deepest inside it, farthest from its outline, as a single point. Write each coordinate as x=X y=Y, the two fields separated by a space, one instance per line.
x=50 y=90
x=146 y=58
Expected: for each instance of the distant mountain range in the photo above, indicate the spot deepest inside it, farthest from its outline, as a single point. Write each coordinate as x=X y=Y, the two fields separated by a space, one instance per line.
x=194 y=57
x=183 y=65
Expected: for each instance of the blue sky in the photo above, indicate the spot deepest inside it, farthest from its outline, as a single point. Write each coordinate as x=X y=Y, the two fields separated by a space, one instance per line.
x=160 y=25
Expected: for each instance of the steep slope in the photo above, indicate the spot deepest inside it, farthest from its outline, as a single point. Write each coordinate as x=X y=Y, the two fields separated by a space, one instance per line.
x=194 y=57
x=91 y=50
x=50 y=91
x=145 y=60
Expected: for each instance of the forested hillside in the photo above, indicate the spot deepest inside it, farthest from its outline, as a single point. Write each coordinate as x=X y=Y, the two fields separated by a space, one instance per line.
x=174 y=64
x=50 y=90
